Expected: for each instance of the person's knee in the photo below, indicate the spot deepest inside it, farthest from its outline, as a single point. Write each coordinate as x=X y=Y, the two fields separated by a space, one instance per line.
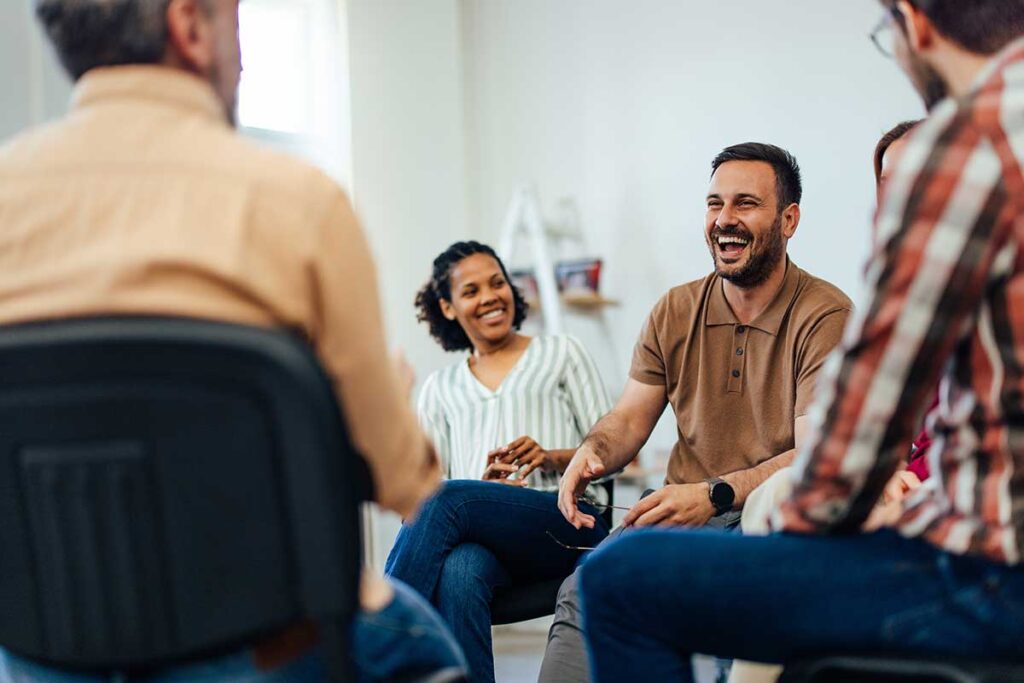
x=445 y=502
x=569 y=592
x=465 y=575
x=594 y=581
x=606 y=573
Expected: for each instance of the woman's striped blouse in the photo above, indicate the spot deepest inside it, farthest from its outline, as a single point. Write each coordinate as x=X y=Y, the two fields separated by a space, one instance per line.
x=553 y=394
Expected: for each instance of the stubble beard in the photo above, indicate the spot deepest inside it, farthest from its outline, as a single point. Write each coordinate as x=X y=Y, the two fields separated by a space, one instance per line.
x=761 y=263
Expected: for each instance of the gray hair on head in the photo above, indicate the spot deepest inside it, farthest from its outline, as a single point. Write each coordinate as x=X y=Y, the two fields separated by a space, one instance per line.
x=91 y=33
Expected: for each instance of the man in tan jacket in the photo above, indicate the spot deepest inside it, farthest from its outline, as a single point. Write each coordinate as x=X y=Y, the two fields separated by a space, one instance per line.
x=144 y=200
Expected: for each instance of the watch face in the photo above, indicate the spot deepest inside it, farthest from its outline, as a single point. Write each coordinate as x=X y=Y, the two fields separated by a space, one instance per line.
x=722 y=495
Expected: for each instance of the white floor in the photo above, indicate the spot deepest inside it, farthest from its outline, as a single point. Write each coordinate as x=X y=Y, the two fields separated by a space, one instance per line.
x=518 y=652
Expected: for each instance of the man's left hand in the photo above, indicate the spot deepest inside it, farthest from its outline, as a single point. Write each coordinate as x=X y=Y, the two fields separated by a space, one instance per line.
x=673 y=505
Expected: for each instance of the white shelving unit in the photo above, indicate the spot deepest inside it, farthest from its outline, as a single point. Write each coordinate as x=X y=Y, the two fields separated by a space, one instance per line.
x=524 y=219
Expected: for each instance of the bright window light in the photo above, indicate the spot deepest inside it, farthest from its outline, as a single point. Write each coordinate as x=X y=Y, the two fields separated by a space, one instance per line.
x=276 y=55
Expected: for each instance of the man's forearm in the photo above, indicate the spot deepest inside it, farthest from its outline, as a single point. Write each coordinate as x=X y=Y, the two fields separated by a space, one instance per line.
x=614 y=441
x=745 y=481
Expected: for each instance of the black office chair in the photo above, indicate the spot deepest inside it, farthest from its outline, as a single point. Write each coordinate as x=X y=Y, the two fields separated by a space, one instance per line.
x=512 y=604
x=171 y=490
x=888 y=669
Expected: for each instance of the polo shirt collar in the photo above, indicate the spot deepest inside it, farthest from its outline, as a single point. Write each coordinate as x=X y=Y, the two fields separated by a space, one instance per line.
x=158 y=84
x=770 y=319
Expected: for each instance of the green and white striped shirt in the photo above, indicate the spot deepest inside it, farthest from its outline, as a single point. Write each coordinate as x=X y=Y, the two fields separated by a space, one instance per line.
x=553 y=394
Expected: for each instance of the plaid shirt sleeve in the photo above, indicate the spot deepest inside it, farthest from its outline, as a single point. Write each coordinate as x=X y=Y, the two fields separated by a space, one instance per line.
x=943 y=220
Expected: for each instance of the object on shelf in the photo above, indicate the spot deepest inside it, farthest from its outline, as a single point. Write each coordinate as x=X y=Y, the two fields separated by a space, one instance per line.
x=526 y=282
x=579 y=278
x=578 y=282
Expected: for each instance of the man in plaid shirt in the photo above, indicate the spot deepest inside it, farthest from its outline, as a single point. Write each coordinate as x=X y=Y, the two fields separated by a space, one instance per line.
x=939 y=574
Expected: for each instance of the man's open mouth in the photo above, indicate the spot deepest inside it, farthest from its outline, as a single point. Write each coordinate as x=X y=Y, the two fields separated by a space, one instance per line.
x=731 y=245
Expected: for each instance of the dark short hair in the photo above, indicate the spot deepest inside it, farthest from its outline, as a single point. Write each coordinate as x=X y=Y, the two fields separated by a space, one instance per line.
x=92 y=33
x=980 y=26
x=897 y=132
x=448 y=333
x=788 y=186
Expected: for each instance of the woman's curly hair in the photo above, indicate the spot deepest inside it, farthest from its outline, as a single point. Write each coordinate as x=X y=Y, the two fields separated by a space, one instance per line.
x=448 y=333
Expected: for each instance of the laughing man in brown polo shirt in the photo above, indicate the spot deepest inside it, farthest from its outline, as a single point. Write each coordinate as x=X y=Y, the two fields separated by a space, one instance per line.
x=735 y=354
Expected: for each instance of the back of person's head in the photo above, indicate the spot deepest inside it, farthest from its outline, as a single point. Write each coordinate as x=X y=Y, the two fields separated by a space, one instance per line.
x=92 y=33
x=980 y=26
x=896 y=133
x=199 y=37
x=788 y=185
x=448 y=333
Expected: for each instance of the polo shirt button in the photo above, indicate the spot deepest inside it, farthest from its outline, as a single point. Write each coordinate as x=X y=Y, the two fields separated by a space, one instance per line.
x=736 y=373
x=739 y=352
x=740 y=329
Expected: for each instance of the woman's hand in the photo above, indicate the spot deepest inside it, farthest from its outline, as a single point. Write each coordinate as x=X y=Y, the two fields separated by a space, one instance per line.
x=521 y=458
x=499 y=471
x=528 y=456
x=889 y=508
x=900 y=486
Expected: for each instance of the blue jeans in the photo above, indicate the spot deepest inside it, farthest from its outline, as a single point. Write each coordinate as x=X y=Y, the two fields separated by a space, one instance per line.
x=406 y=637
x=652 y=598
x=475 y=536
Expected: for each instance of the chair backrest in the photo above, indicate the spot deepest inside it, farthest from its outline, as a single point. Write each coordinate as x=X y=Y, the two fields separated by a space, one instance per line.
x=168 y=488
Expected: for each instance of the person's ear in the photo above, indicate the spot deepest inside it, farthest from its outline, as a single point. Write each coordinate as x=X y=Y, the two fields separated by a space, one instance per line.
x=919 y=30
x=790 y=220
x=190 y=35
x=447 y=310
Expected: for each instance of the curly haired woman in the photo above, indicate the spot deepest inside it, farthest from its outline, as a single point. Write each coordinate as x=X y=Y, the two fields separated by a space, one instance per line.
x=505 y=422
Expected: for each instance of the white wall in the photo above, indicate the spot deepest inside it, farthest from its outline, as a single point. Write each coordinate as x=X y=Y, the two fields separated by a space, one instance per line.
x=408 y=158
x=622 y=105
x=34 y=88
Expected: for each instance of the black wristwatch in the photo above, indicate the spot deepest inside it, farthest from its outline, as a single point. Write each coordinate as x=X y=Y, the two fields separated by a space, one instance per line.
x=722 y=495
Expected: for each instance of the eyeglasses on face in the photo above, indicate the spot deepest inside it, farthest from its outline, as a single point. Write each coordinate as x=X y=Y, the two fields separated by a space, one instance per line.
x=884 y=34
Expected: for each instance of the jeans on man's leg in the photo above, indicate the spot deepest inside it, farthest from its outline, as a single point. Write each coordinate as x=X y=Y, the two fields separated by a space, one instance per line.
x=404 y=638
x=653 y=598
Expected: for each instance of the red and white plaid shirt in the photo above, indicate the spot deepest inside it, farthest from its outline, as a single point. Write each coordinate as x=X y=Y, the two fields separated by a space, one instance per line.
x=945 y=305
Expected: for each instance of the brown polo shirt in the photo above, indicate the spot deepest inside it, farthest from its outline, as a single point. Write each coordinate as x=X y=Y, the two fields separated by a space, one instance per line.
x=736 y=389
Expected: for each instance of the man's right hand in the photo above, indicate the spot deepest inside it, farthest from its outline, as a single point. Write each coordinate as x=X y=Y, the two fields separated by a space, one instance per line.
x=584 y=467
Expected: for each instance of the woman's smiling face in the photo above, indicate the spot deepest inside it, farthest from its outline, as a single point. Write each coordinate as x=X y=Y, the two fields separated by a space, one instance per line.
x=481 y=300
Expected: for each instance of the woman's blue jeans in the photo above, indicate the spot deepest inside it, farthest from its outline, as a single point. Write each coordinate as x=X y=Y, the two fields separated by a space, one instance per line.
x=652 y=598
x=405 y=638
x=474 y=536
